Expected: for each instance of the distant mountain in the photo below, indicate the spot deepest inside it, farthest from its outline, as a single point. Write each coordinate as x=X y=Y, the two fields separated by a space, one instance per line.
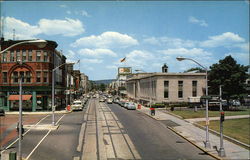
x=105 y=81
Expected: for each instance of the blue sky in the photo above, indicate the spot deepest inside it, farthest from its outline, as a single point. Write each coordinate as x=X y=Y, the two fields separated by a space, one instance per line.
x=148 y=33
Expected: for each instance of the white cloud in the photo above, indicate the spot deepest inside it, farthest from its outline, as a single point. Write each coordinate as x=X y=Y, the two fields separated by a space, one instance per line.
x=170 y=42
x=23 y=30
x=68 y=27
x=68 y=12
x=243 y=46
x=70 y=55
x=139 y=59
x=194 y=20
x=106 y=40
x=95 y=61
x=225 y=39
x=63 y=6
x=185 y=52
x=82 y=13
x=97 y=52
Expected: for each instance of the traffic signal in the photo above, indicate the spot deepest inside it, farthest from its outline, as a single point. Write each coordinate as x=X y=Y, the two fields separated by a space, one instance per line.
x=222 y=116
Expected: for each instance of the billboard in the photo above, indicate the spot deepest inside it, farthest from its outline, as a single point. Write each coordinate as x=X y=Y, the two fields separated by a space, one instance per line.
x=124 y=70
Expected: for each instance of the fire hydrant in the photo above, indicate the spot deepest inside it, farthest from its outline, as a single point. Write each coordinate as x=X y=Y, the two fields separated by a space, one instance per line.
x=139 y=106
x=68 y=108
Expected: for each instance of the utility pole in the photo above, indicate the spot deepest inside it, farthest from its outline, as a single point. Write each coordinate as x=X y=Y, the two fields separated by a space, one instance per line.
x=221 y=150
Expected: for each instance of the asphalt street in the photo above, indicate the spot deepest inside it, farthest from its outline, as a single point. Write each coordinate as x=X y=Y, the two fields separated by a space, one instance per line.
x=152 y=139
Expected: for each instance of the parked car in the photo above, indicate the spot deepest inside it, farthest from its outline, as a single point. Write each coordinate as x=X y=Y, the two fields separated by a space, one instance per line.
x=77 y=105
x=130 y=105
x=121 y=103
x=109 y=100
x=101 y=100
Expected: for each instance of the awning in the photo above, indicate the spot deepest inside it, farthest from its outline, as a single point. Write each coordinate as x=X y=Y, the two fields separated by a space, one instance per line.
x=16 y=97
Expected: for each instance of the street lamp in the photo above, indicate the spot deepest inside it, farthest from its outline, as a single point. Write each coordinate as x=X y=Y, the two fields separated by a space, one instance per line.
x=207 y=143
x=41 y=44
x=53 y=91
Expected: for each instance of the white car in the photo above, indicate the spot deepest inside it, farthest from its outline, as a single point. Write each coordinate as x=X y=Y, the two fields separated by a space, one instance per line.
x=109 y=100
x=77 y=105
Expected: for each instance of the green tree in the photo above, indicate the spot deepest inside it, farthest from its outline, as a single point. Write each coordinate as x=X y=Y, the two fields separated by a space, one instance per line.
x=229 y=74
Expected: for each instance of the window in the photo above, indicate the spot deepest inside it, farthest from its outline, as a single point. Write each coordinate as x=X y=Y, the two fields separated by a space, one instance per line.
x=28 y=76
x=45 y=76
x=24 y=56
x=194 y=88
x=38 y=76
x=22 y=75
x=166 y=88
x=18 y=56
x=38 y=56
x=30 y=56
x=4 y=57
x=12 y=58
x=180 y=89
x=15 y=77
x=4 y=77
x=45 y=56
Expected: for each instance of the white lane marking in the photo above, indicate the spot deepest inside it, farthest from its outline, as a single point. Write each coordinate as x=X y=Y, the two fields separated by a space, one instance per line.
x=42 y=139
x=23 y=135
x=60 y=119
x=38 y=145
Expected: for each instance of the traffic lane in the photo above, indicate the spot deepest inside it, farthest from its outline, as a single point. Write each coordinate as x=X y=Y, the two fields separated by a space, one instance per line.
x=153 y=139
x=61 y=143
x=8 y=126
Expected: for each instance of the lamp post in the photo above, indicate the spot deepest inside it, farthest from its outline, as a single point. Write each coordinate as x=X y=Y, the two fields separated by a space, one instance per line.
x=53 y=91
x=207 y=143
x=41 y=44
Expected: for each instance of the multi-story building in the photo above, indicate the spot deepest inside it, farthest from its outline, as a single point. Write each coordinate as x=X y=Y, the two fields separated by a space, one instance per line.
x=35 y=66
x=166 y=87
x=84 y=83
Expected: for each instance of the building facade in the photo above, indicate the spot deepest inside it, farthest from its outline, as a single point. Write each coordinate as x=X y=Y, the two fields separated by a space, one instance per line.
x=35 y=66
x=166 y=87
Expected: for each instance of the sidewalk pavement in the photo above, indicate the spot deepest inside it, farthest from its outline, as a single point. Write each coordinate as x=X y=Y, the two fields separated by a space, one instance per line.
x=197 y=136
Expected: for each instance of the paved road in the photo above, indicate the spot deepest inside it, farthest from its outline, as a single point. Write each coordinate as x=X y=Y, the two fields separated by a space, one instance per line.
x=152 y=139
x=48 y=144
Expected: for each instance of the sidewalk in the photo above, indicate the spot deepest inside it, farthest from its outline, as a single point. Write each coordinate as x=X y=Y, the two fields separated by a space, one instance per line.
x=197 y=136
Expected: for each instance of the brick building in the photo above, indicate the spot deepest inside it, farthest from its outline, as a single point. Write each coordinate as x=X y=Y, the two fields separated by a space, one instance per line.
x=35 y=65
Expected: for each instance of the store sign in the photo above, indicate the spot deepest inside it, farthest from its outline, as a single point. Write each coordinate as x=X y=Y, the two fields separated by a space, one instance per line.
x=16 y=93
x=124 y=70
